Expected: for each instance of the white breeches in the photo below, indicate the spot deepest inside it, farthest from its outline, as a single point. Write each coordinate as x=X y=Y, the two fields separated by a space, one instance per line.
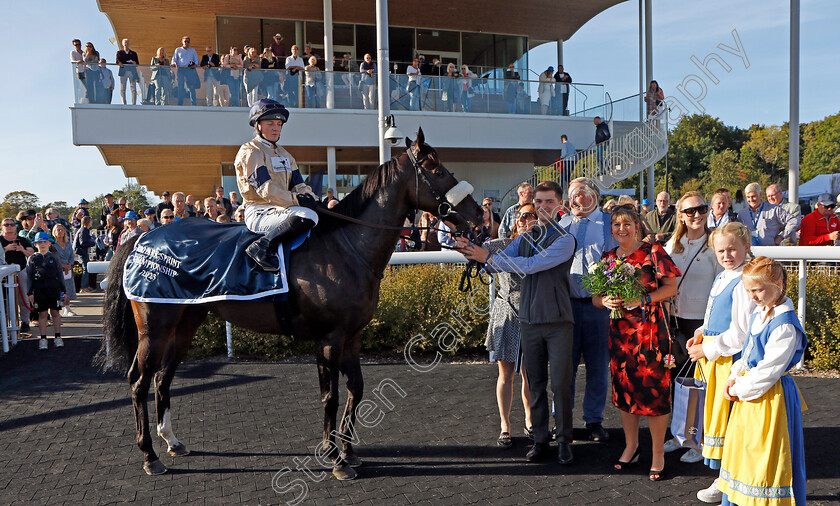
x=261 y=218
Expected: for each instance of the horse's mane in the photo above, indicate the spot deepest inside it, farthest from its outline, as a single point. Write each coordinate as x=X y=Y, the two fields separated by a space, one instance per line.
x=354 y=203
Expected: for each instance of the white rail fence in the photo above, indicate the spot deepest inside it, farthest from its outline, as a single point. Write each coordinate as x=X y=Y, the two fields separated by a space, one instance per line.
x=800 y=254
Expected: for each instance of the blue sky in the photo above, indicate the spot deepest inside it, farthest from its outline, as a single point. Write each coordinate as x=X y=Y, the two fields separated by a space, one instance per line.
x=35 y=131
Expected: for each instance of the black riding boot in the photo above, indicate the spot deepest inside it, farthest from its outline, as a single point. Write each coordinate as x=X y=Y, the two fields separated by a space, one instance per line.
x=264 y=250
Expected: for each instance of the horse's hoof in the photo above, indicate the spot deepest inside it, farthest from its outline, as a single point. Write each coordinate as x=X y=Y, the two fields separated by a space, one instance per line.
x=351 y=460
x=344 y=472
x=154 y=467
x=179 y=450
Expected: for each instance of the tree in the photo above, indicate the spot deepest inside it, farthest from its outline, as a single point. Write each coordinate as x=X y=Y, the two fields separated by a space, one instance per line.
x=693 y=143
x=18 y=201
x=766 y=151
x=821 y=148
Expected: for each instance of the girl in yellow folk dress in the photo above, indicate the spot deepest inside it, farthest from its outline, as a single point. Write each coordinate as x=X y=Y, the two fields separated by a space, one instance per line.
x=720 y=340
x=764 y=457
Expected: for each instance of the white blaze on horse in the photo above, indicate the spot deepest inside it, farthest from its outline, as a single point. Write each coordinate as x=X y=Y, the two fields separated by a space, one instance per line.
x=333 y=290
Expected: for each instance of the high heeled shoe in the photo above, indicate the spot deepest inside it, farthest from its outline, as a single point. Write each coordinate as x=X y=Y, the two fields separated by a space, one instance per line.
x=657 y=475
x=623 y=466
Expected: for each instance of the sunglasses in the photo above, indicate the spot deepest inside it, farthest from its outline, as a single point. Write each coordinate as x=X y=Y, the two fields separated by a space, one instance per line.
x=691 y=211
x=8 y=224
x=829 y=206
x=525 y=215
x=167 y=217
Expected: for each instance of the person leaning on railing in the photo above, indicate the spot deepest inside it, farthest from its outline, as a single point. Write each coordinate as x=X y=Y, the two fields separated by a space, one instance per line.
x=231 y=63
x=127 y=59
x=368 y=83
x=822 y=226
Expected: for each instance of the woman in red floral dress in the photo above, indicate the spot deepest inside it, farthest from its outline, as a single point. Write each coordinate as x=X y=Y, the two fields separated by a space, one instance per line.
x=639 y=341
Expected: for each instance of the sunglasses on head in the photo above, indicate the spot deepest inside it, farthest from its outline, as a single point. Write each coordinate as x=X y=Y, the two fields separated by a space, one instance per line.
x=691 y=211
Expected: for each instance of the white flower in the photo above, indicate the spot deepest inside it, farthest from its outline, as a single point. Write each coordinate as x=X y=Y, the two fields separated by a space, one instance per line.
x=593 y=268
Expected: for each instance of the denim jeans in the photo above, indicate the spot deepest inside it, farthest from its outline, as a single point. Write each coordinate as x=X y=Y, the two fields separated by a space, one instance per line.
x=591 y=341
x=312 y=99
x=413 y=96
x=183 y=86
x=466 y=100
x=85 y=275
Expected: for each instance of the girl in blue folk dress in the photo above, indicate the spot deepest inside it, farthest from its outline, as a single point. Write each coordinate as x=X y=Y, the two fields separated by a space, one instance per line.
x=763 y=457
x=718 y=343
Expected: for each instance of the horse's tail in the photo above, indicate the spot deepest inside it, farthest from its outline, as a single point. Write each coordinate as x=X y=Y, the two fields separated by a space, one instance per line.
x=119 y=343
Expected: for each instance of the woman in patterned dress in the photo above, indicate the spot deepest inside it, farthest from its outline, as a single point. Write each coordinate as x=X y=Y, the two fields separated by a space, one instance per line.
x=503 y=331
x=639 y=341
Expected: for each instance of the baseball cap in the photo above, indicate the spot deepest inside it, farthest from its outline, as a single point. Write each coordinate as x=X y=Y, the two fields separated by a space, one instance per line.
x=130 y=215
x=30 y=212
x=83 y=201
x=109 y=195
x=826 y=199
x=550 y=67
x=278 y=36
x=645 y=202
x=42 y=236
x=165 y=194
x=149 y=211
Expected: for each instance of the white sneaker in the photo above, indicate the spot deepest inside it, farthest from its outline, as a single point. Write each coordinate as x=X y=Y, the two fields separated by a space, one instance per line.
x=43 y=344
x=692 y=456
x=69 y=312
x=711 y=495
x=672 y=445
x=58 y=342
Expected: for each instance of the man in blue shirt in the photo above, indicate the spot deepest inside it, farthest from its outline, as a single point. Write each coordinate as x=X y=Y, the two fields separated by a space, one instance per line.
x=591 y=229
x=542 y=258
x=186 y=60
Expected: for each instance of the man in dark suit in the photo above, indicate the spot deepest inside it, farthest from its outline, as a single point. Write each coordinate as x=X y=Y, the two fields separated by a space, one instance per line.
x=222 y=202
x=562 y=90
x=107 y=208
x=542 y=258
x=211 y=62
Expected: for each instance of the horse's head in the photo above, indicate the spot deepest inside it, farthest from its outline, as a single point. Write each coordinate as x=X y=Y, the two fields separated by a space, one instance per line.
x=437 y=191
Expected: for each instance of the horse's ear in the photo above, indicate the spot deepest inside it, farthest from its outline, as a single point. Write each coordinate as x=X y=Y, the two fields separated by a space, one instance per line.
x=421 y=139
x=408 y=142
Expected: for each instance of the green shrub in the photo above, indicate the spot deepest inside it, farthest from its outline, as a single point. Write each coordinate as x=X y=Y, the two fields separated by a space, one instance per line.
x=822 y=316
x=412 y=301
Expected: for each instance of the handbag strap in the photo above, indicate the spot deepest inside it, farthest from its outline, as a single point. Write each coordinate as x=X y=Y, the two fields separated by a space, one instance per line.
x=690 y=262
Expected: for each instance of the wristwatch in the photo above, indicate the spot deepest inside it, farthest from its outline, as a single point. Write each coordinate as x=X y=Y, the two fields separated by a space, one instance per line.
x=648 y=299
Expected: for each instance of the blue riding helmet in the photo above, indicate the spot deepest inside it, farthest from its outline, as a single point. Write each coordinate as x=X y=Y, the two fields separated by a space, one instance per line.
x=42 y=236
x=130 y=215
x=267 y=109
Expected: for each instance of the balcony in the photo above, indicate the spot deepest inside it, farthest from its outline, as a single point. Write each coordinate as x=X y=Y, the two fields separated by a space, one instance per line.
x=475 y=120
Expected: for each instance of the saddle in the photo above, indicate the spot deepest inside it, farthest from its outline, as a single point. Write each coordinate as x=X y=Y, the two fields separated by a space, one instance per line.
x=195 y=261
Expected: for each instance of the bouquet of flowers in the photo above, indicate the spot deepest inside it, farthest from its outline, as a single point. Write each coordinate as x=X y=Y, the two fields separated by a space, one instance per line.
x=615 y=278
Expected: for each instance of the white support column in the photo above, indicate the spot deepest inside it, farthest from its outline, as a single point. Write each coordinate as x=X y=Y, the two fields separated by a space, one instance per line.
x=331 y=169
x=641 y=64
x=793 y=137
x=383 y=92
x=651 y=184
x=328 y=53
x=301 y=77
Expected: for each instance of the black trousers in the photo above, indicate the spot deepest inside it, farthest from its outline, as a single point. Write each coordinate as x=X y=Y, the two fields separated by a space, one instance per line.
x=543 y=345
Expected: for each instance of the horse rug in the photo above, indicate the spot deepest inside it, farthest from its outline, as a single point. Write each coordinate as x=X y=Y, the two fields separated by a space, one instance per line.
x=195 y=260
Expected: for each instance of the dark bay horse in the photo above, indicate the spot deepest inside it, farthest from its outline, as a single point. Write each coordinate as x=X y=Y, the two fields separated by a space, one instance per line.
x=333 y=292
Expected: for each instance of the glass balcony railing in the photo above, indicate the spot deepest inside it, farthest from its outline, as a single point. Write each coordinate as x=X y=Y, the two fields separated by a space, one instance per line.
x=237 y=87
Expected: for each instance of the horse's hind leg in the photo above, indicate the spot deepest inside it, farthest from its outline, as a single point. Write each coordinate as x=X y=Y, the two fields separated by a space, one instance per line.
x=172 y=357
x=146 y=362
x=352 y=368
x=329 y=360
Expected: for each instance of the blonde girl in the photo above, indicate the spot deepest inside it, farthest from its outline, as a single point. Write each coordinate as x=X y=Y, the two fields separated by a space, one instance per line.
x=763 y=458
x=721 y=336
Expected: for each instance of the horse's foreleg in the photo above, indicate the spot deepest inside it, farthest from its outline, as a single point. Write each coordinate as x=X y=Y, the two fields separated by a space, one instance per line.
x=174 y=354
x=140 y=378
x=351 y=368
x=328 y=370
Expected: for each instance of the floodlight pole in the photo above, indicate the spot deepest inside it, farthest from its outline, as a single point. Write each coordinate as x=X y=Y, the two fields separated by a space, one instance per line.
x=651 y=189
x=382 y=77
x=793 y=136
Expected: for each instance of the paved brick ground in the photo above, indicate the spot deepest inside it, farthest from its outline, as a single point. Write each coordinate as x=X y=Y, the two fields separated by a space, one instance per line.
x=67 y=437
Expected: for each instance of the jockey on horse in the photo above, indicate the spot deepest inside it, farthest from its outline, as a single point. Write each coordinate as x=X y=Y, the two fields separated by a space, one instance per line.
x=277 y=201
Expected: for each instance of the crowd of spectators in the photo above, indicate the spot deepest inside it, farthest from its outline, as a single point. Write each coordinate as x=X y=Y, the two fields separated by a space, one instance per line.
x=75 y=241
x=238 y=78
